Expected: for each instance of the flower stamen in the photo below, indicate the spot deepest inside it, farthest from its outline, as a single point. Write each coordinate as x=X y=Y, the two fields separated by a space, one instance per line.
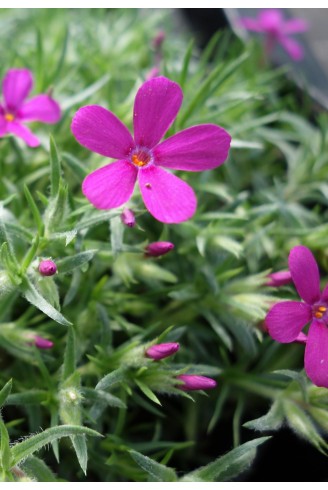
x=9 y=117
x=141 y=157
x=319 y=311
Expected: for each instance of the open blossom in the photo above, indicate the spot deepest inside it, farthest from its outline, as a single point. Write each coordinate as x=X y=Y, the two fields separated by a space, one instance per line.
x=142 y=158
x=193 y=382
x=160 y=351
x=286 y=319
x=15 y=110
x=277 y=31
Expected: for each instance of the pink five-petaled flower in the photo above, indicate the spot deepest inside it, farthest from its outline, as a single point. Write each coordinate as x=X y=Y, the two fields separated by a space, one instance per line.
x=286 y=319
x=195 y=382
x=160 y=351
x=141 y=158
x=15 y=111
x=277 y=31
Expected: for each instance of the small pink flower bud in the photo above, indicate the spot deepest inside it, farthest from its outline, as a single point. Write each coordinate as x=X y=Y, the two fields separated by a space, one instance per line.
x=47 y=268
x=158 y=40
x=128 y=218
x=195 y=382
x=160 y=351
x=153 y=73
x=301 y=338
x=42 y=343
x=280 y=278
x=156 y=249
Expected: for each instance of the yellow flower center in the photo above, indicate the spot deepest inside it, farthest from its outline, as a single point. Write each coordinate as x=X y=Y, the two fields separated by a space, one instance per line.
x=9 y=117
x=320 y=311
x=141 y=157
x=139 y=163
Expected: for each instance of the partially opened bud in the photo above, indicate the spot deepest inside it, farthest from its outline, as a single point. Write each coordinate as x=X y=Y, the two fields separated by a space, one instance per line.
x=156 y=249
x=195 y=382
x=160 y=351
x=280 y=278
x=47 y=268
x=42 y=343
x=128 y=218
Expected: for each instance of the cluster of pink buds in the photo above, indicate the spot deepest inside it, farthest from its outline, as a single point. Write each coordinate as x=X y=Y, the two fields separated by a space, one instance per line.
x=190 y=382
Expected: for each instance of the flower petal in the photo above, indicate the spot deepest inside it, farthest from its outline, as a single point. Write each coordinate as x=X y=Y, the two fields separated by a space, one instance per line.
x=110 y=186
x=101 y=131
x=23 y=133
x=16 y=86
x=316 y=354
x=166 y=197
x=156 y=105
x=305 y=273
x=271 y=20
x=195 y=149
x=295 y=25
x=40 y=108
x=293 y=48
x=285 y=320
x=3 y=124
x=324 y=295
x=250 y=24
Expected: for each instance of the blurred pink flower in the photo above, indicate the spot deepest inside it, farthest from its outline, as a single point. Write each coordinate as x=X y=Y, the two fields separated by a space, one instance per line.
x=277 y=31
x=15 y=110
x=168 y=198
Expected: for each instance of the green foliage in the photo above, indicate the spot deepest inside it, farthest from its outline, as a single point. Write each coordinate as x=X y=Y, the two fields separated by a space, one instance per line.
x=108 y=303
x=228 y=466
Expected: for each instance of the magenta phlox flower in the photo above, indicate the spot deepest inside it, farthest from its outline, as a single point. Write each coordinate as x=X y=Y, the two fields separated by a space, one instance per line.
x=142 y=158
x=286 y=319
x=277 y=31
x=15 y=110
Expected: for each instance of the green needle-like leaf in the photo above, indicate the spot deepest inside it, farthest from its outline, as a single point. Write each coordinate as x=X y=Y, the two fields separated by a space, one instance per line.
x=22 y=450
